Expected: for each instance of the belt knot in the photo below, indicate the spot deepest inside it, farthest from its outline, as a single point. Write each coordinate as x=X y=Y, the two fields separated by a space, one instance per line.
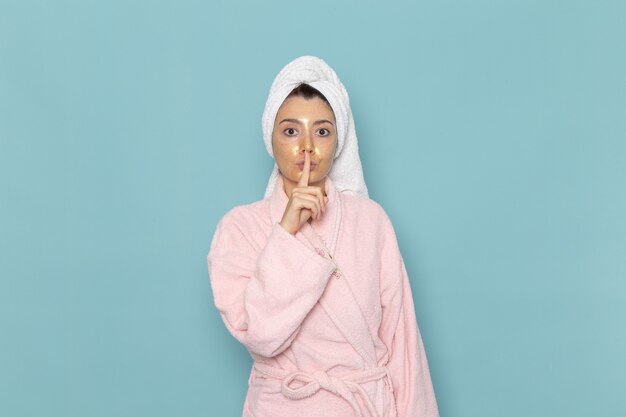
x=346 y=386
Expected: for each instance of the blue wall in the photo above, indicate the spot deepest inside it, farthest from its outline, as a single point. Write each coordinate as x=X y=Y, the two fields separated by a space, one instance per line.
x=493 y=133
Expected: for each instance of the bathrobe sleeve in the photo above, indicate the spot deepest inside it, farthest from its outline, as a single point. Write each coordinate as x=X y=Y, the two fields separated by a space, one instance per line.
x=399 y=331
x=263 y=293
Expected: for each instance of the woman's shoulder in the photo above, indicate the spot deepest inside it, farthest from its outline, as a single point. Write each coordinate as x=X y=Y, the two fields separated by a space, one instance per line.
x=248 y=214
x=245 y=223
x=364 y=207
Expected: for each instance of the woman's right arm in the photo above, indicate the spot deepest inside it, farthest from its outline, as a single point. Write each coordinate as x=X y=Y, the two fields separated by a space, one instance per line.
x=263 y=296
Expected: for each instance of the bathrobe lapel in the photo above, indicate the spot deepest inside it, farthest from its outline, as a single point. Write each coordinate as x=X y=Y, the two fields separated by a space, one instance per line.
x=338 y=299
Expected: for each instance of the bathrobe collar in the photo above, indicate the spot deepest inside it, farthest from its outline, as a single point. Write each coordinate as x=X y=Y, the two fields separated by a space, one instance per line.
x=327 y=226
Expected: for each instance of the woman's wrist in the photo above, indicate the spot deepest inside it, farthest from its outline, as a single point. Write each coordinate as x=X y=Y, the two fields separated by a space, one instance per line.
x=287 y=229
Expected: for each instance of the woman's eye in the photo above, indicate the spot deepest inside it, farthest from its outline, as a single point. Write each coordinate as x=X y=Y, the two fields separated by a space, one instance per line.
x=326 y=130
x=290 y=131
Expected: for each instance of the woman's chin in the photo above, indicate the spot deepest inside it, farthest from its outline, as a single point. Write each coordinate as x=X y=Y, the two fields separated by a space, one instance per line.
x=294 y=176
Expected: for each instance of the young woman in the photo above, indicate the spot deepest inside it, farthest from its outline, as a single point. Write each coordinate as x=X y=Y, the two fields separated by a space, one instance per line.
x=310 y=279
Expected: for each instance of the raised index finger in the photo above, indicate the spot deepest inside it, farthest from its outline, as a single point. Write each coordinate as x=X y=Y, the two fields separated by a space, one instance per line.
x=304 y=178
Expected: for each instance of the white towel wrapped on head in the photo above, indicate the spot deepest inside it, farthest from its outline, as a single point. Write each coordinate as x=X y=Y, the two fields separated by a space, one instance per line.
x=346 y=171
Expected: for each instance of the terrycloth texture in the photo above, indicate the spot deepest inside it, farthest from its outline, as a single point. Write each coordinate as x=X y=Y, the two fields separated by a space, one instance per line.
x=320 y=322
x=346 y=171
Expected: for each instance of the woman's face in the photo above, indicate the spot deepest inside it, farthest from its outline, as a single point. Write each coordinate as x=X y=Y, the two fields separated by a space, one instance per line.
x=304 y=125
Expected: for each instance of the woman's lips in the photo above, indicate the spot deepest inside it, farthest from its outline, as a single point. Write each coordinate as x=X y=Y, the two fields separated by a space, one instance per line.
x=300 y=165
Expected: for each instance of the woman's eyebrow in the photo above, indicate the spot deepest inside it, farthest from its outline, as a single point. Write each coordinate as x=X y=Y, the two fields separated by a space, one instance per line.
x=299 y=122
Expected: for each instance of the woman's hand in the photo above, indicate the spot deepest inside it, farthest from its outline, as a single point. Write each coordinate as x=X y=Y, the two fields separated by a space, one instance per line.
x=305 y=201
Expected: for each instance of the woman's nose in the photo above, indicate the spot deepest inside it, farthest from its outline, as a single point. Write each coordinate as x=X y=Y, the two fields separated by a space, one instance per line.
x=308 y=140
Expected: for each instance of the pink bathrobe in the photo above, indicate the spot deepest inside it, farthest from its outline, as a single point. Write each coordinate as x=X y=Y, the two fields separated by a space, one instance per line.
x=326 y=314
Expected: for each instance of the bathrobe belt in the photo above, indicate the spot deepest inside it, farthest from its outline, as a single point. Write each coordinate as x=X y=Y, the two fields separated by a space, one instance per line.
x=341 y=305
x=345 y=386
